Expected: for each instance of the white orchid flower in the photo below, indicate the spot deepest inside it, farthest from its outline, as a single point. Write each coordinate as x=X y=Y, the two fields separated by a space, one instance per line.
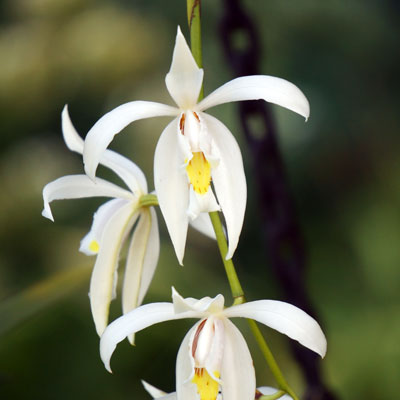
x=214 y=356
x=156 y=393
x=195 y=149
x=111 y=226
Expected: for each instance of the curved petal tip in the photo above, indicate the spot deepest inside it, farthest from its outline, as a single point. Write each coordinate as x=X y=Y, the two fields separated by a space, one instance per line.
x=47 y=213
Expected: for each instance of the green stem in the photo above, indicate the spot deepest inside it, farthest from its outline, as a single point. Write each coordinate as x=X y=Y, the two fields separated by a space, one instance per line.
x=194 y=22
x=194 y=19
x=239 y=298
x=268 y=356
x=236 y=288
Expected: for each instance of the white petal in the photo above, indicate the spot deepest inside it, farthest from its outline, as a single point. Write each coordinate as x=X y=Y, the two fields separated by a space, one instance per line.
x=202 y=306
x=268 y=88
x=185 y=389
x=71 y=137
x=104 y=130
x=157 y=393
x=151 y=255
x=100 y=219
x=285 y=318
x=184 y=78
x=79 y=186
x=268 y=390
x=128 y=171
x=103 y=275
x=203 y=224
x=141 y=261
x=229 y=179
x=136 y=320
x=237 y=372
x=171 y=185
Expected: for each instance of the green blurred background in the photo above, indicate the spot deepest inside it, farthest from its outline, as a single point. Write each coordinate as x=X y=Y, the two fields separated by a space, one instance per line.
x=343 y=169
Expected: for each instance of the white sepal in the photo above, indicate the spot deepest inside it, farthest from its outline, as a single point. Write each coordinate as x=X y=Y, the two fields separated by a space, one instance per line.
x=229 y=179
x=79 y=186
x=103 y=280
x=128 y=171
x=71 y=137
x=237 y=372
x=269 y=88
x=152 y=390
x=157 y=393
x=141 y=262
x=104 y=130
x=136 y=320
x=284 y=318
x=184 y=78
x=151 y=255
x=171 y=186
x=185 y=389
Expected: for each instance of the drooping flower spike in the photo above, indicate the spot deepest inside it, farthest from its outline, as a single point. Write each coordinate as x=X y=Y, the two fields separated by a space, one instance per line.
x=111 y=226
x=195 y=149
x=214 y=356
x=156 y=393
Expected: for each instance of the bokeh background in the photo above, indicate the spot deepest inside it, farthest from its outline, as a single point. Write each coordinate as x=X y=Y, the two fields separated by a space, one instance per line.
x=343 y=172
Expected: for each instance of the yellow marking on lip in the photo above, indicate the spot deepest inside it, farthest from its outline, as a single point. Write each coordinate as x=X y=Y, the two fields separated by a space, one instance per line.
x=94 y=246
x=207 y=387
x=199 y=172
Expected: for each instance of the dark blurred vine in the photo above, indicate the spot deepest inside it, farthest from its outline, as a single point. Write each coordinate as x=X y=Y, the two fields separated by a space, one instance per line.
x=281 y=233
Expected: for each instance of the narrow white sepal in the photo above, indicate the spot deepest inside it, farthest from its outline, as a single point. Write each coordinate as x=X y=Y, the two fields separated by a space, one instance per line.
x=171 y=186
x=269 y=88
x=184 y=78
x=128 y=171
x=237 y=371
x=152 y=390
x=185 y=389
x=71 y=137
x=76 y=187
x=151 y=255
x=141 y=262
x=284 y=318
x=229 y=179
x=103 y=278
x=104 y=130
x=136 y=320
